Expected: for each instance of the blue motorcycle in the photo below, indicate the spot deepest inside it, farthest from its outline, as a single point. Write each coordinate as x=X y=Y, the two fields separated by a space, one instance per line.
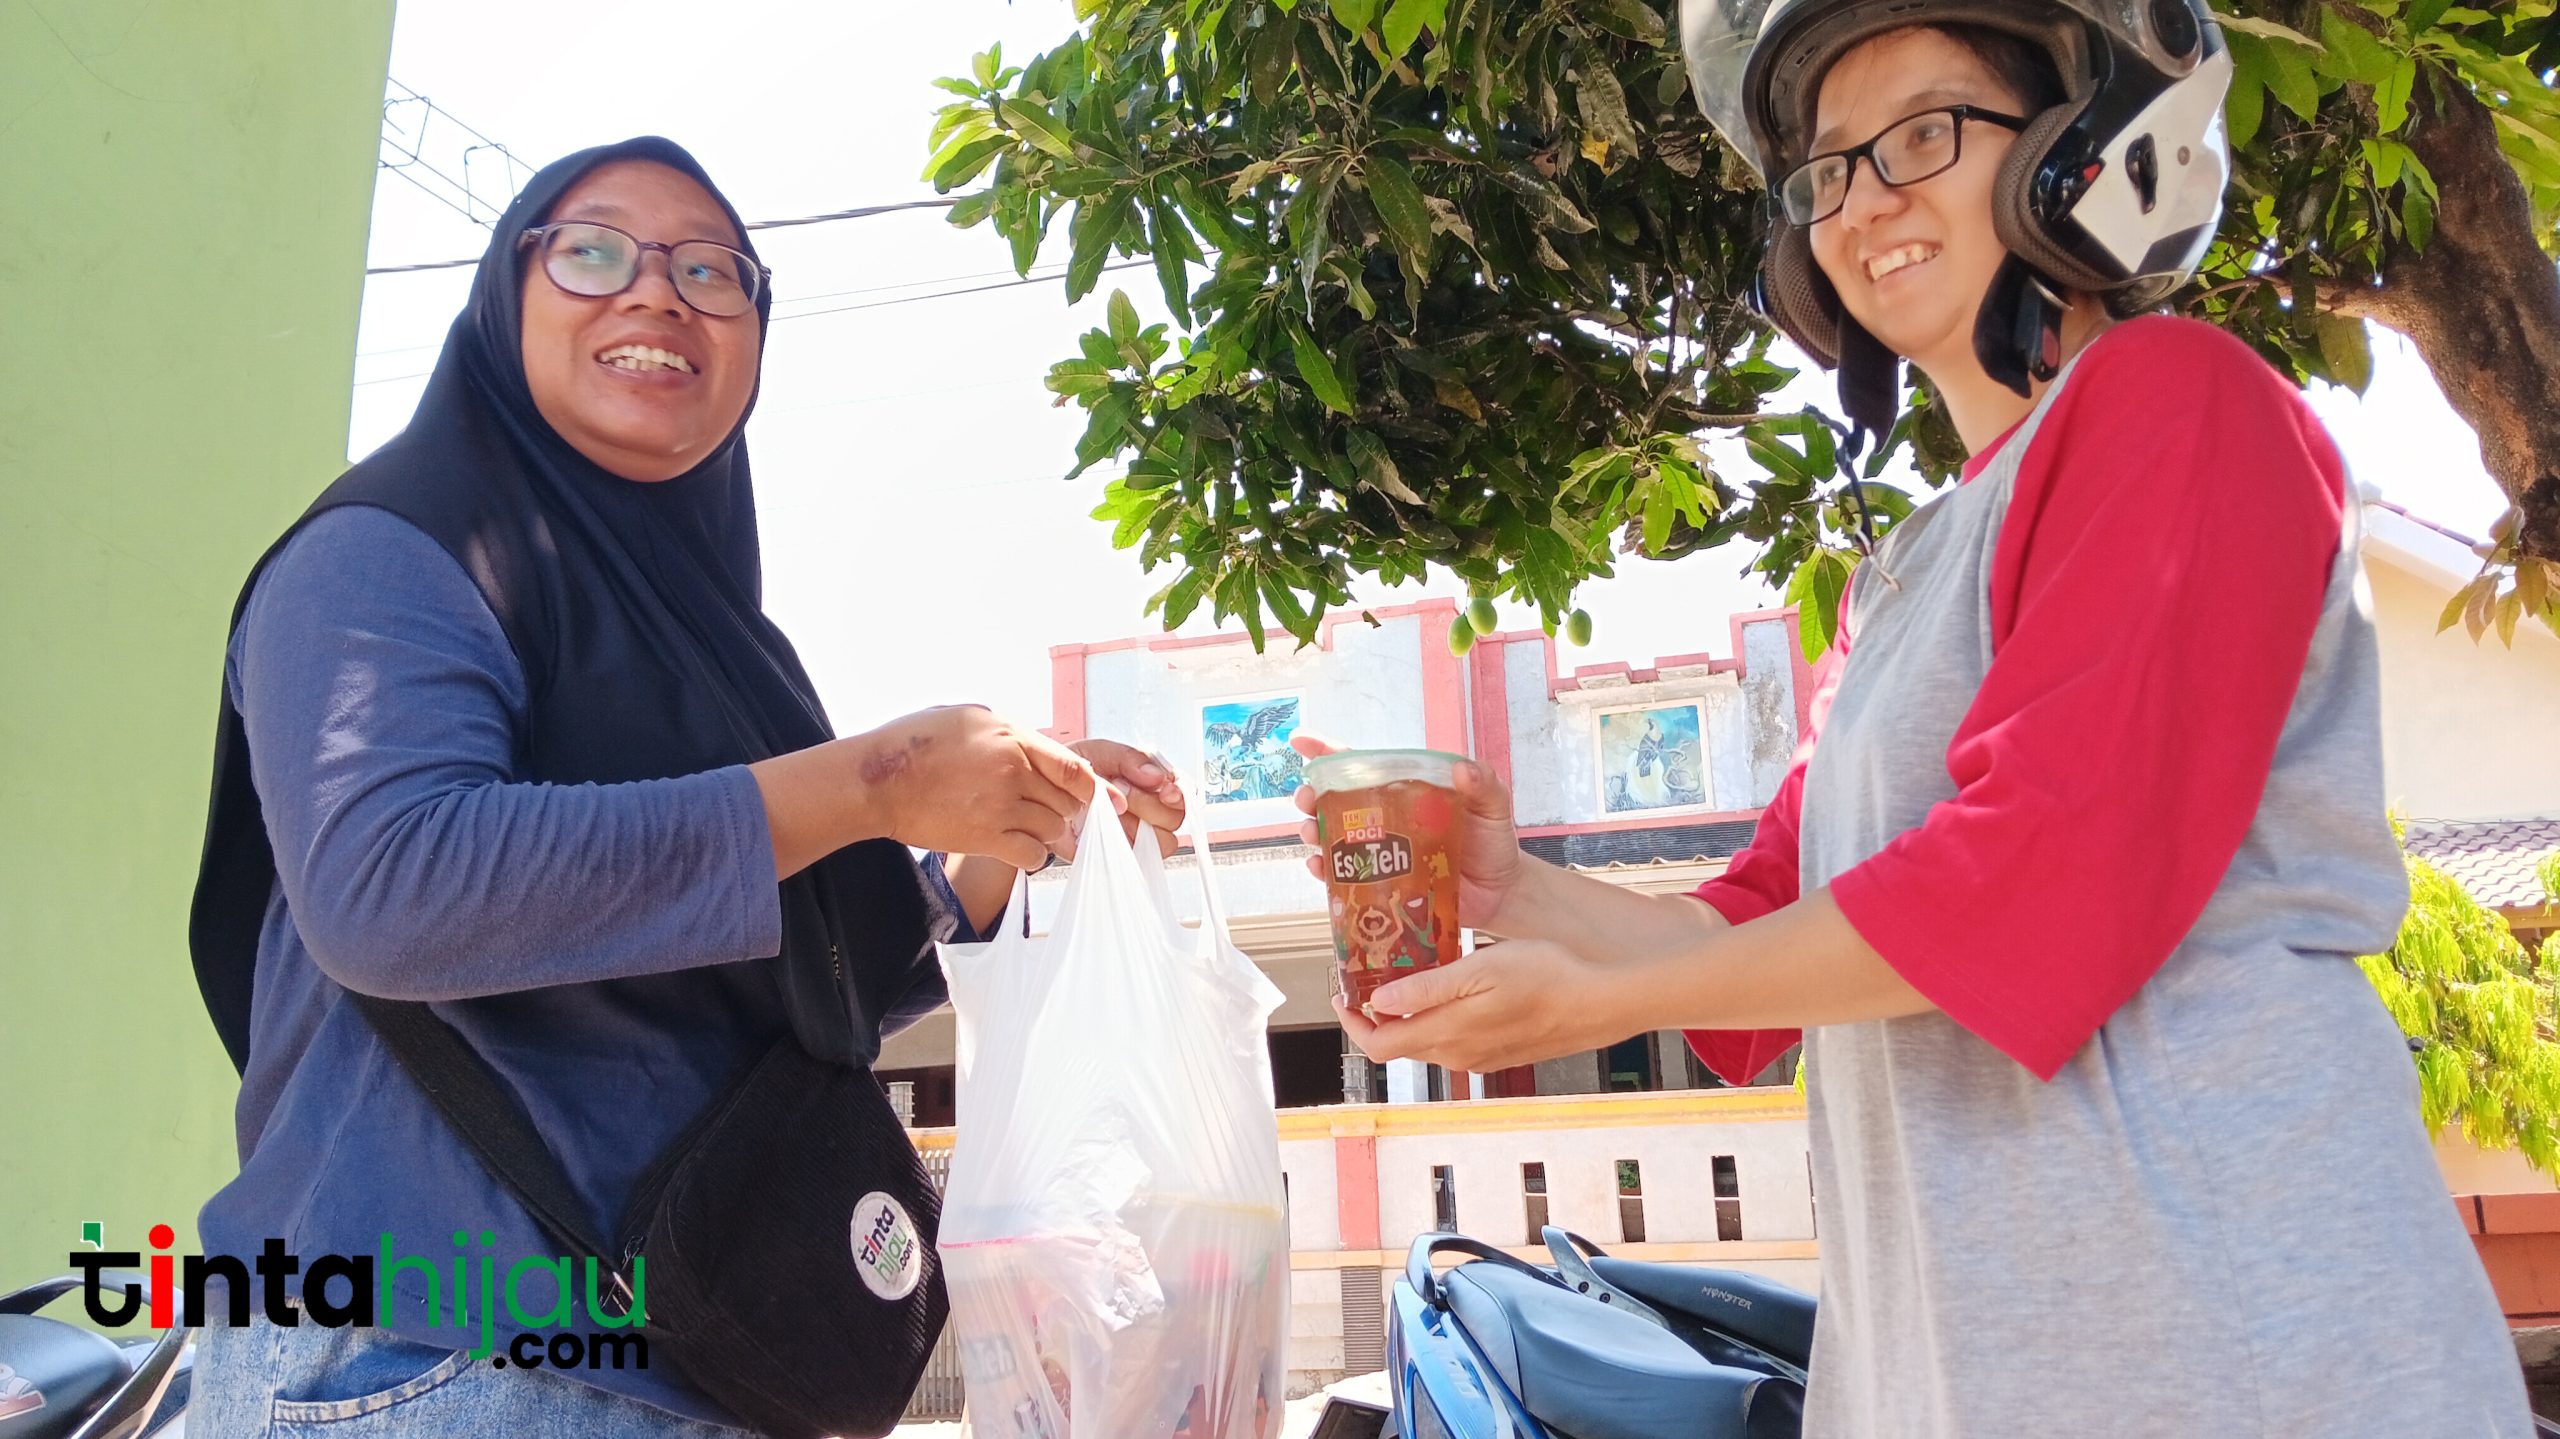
x=1588 y=1347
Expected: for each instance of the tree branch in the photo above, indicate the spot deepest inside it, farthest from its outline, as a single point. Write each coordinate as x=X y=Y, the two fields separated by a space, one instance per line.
x=2482 y=304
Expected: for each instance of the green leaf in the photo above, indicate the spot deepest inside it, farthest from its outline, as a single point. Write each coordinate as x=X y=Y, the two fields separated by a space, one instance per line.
x=1105 y=431
x=972 y=128
x=959 y=167
x=1280 y=590
x=1170 y=273
x=1357 y=14
x=1603 y=107
x=1311 y=216
x=1633 y=19
x=2290 y=79
x=2424 y=14
x=952 y=119
x=1181 y=597
x=1547 y=204
x=2267 y=30
x=971 y=209
x=1095 y=229
x=2418 y=213
x=1267 y=64
x=2346 y=348
x=1038 y=127
x=1077 y=378
x=1377 y=468
x=1123 y=318
x=2245 y=105
x=1210 y=219
x=2385 y=158
x=2350 y=52
x=1399 y=201
x=2391 y=97
x=1318 y=371
x=1406 y=20
x=1815 y=591
x=1660 y=509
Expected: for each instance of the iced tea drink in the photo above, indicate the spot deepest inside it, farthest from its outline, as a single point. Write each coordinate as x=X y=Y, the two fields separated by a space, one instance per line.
x=1386 y=825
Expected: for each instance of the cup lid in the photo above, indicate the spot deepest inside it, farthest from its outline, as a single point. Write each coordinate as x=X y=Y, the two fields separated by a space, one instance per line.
x=1368 y=768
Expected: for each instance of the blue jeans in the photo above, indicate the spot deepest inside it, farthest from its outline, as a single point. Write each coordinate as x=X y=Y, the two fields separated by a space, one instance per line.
x=313 y=1382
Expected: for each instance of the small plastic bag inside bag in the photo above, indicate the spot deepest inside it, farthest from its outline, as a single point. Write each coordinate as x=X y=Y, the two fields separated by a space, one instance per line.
x=1114 y=1234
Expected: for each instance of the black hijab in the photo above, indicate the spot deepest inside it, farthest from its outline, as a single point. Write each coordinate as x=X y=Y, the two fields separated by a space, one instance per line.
x=637 y=613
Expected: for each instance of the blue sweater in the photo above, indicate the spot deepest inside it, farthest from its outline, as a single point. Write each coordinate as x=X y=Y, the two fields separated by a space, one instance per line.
x=383 y=706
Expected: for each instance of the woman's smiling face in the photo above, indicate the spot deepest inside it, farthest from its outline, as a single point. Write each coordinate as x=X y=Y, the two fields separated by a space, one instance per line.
x=1911 y=264
x=640 y=382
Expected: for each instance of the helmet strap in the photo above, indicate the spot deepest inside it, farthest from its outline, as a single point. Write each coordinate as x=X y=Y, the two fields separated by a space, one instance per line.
x=1870 y=384
x=1871 y=397
x=2017 y=335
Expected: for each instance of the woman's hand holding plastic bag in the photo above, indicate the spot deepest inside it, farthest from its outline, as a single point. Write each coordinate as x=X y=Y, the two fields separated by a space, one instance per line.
x=1115 y=1234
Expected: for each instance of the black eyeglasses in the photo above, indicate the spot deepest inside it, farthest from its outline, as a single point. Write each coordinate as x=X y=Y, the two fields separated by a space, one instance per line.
x=1905 y=152
x=593 y=260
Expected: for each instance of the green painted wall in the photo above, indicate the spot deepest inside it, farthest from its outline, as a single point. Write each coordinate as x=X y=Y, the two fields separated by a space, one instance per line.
x=184 y=194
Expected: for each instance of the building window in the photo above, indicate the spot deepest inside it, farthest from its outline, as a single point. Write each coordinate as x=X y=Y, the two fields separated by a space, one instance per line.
x=933 y=1094
x=1728 y=1198
x=1630 y=1202
x=1444 y=1198
x=1306 y=1066
x=1628 y=1065
x=1533 y=1197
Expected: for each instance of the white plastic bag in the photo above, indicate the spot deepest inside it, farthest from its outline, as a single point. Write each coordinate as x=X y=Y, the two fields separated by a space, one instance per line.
x=1115 y=1234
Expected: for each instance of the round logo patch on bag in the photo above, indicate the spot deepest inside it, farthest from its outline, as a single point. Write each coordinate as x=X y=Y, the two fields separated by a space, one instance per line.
x=885 y=1247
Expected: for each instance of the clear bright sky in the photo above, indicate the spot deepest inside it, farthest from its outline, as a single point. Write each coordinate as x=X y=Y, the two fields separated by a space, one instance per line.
x=919 y=546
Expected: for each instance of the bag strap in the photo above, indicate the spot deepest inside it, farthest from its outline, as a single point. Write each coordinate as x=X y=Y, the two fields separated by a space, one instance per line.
x=477 y=1104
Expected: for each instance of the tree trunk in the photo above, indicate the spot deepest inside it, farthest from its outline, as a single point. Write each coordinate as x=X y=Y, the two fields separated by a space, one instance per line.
x=2482 y=304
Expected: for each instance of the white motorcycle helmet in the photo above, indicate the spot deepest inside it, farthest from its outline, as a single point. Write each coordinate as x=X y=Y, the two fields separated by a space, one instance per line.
x=2117 y=191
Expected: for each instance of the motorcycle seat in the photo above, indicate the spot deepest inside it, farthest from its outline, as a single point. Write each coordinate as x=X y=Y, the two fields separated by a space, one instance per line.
x=1598 y=1373
x=56 y=1375
x=1760 y=1312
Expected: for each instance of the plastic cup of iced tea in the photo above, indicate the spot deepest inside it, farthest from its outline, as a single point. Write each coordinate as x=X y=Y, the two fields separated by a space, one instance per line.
x=1386 y=826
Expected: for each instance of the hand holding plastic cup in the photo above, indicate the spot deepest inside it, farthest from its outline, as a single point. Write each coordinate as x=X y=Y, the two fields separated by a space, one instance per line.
x=1386 y=825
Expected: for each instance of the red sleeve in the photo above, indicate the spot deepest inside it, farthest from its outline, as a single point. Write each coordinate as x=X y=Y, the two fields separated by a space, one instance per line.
x=2153 y=596
x=1762 y=878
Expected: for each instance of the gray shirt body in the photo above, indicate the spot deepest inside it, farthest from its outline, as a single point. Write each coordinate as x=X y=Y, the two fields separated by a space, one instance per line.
x=2222 y=1217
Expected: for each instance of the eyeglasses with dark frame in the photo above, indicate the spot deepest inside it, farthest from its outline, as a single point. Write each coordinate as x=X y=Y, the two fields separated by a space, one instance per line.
x=595 y=260
x=1909 y=150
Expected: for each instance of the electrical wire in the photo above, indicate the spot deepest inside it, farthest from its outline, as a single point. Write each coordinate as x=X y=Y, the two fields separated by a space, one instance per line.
x=1038 y=279
x=859 y=212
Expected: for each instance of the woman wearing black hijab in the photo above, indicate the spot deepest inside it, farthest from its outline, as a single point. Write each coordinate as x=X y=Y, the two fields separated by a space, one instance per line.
x=506 y=730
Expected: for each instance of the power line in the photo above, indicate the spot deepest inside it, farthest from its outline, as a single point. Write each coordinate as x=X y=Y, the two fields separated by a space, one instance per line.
x=831 y=310
x=404 y=147
x=948 y=294
x=859 y=212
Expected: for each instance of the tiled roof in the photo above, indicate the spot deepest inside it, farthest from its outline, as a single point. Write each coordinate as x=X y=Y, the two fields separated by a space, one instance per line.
x=1670 y=844
x=2494 y=859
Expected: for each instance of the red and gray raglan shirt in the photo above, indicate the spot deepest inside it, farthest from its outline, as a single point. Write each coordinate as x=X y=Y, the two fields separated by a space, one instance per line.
x=2152 y=598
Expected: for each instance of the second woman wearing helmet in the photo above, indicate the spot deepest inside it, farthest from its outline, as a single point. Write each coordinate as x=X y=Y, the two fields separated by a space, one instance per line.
x=2110 y=1134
